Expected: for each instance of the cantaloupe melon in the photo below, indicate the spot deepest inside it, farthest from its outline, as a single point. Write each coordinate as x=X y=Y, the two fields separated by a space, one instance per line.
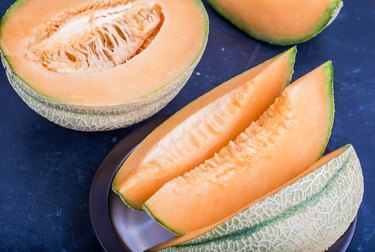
x=309 y=213
x=279 y=22
x=200 y=129
x=289 y=137
x=101 y=64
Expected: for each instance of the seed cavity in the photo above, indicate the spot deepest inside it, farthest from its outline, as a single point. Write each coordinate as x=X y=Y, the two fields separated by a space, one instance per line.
x=97 y=36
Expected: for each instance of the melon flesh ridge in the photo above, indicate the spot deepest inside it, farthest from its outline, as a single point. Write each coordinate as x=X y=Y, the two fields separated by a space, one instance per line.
x=327 y=195
x=263 y=157
x=171 y=151
x=96 y=37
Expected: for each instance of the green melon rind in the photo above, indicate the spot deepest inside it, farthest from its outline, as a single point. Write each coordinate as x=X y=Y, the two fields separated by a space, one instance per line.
x=292 y=60
x=164 y=225
x=292 y=57
x=100 y=118
x=308 y=215
x=288 y=200
x=328 y=17
x=126 y=107
x=91 y=122
x=328 y=67
x=95 y=119
x=7 y=13
x=125 y=200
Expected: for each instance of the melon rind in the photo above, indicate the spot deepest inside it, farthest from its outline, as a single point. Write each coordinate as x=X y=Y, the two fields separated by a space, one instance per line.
x=161 y=223
x=329 y=16
x=328 y=67
x=308 y=215
x=94 y=119
x=101 y=118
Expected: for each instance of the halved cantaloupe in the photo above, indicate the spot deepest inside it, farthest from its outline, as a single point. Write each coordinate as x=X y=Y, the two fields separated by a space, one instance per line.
x=199 y=130
x=309 y=213
x=100 y=64
x=279 y=22
x=289 y=137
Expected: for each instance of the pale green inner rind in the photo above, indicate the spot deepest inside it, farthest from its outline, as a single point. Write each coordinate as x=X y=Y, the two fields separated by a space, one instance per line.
x=284 y=215
x=292 y=61
x=148 y=211
x=328 y=15
x=7 y=13
x=59 y=101
x=328 y=67
x=88 y=120
x=126 y=201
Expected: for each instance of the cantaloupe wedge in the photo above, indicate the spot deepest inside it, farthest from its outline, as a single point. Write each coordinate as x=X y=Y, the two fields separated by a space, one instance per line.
x=309 y=213
x=200 y=129
x=279 y=22
x=289 y=137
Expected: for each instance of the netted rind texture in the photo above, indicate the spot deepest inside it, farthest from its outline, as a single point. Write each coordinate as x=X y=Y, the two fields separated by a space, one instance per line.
x=308 y=215
x=97 y=118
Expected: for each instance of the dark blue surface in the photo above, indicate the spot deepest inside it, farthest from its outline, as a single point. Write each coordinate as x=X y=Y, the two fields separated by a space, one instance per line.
x=46 y=170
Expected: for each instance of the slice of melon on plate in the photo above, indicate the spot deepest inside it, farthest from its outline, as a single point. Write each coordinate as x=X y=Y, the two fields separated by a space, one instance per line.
x=200 y=129
x=309 y=213
x=289 y=137
x=279 y=22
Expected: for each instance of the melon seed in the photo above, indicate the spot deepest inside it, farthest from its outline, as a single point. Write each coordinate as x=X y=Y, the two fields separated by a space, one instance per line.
x=97 y=36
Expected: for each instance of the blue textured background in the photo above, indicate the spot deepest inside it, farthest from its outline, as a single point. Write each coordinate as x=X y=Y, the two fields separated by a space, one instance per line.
x=46 y=170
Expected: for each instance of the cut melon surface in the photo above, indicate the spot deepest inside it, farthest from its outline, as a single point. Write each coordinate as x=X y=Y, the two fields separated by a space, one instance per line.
x=97 y=58
x=309 y=213
x=200 y=129
x=272 y=151
x=279 y=22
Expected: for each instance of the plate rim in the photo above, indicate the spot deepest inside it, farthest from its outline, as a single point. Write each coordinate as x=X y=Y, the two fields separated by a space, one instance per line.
x=100 y=210
x=100 y=216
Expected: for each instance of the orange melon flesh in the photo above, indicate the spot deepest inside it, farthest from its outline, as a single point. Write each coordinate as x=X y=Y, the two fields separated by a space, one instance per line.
x=139 y=77
x=196 y=233
x=200 y=129
x=280 y=22
x=289 y=137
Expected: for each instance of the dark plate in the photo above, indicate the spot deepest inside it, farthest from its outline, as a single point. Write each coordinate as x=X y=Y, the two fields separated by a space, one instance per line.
x=119 y=228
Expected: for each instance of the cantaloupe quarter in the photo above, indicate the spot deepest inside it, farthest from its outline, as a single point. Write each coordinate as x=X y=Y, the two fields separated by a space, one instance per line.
x=99 y=64
x=279 y=22
x=289 y=137
x=309 y=213
x=200 y=129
